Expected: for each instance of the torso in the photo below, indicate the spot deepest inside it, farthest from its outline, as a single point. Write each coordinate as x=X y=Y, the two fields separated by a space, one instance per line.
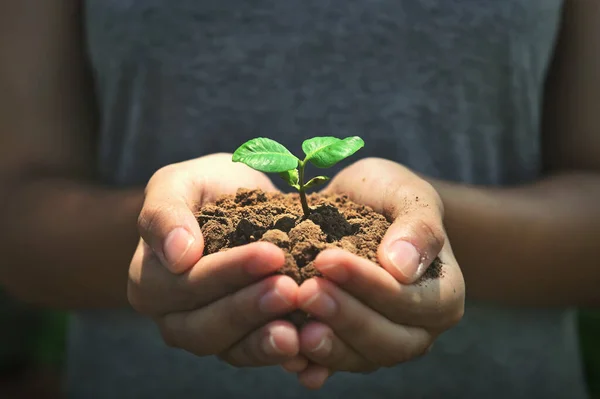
x=450 y=88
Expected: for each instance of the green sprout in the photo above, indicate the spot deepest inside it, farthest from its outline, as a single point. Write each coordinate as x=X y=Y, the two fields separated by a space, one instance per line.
x=266 y=155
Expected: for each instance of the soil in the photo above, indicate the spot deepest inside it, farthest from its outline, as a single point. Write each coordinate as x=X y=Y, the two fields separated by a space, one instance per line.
x=335 y=222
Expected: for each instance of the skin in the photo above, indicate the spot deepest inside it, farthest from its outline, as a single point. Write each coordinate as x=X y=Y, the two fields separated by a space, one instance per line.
x=548 y=228
x=55 y=214
x=228 y=299
x=369 y=317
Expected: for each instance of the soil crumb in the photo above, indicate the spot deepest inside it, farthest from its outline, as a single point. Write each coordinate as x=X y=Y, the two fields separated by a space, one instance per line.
x=335 y=222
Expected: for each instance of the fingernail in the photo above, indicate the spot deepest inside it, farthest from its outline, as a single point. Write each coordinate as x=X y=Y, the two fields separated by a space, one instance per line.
x=176 y=245
x=336 y=273
x=273 y=302
x=405 y=258
x=270 y=347
x=324 y=346
x=321 y=305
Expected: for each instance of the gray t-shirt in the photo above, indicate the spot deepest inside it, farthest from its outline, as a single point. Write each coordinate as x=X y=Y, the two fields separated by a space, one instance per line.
x=450 y=88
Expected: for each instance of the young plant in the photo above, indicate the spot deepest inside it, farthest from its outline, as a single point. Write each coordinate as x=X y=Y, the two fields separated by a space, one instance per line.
x=269 y=156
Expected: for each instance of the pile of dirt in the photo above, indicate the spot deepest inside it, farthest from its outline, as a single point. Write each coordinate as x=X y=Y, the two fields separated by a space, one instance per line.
x=335 y=222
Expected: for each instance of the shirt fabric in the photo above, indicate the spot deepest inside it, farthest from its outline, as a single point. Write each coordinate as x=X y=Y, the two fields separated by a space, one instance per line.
x=450 y=88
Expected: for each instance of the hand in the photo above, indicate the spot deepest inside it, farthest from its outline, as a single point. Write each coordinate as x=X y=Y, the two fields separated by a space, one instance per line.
x=369 y=316
x=221 y=304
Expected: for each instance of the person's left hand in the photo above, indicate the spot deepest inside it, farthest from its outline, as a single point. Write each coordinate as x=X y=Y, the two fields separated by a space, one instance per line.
x=370 y=316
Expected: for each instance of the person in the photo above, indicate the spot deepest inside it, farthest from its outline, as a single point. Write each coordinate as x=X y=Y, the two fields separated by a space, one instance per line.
x=117 y=117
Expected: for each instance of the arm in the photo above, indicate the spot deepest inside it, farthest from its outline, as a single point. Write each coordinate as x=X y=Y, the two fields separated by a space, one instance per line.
x=538 y=244
x=65 y=241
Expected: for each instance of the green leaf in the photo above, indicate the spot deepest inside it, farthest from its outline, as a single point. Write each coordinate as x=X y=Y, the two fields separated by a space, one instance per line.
x=315 y=181
x=324 y=152
x=291 y=177
x=316 y=144
x=265 y=155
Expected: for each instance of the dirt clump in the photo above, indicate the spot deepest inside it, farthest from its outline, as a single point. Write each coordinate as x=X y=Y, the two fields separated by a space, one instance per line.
x=334 y=222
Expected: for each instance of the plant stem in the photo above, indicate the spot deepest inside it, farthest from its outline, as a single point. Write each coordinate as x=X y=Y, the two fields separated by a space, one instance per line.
x=302 y=191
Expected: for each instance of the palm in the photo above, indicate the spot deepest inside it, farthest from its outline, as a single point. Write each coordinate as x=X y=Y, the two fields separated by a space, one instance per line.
x=385 y=186
x=217 y=174
x=380 y=317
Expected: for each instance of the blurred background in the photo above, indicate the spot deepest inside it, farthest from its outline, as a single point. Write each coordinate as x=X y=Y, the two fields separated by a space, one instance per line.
x=32 y=347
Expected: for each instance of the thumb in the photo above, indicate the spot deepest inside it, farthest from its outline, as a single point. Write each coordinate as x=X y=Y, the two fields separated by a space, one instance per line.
x=411 y=244
x=167 y=224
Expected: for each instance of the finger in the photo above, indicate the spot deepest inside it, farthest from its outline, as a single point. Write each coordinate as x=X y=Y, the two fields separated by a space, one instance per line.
x=296 y=364
x=424 y=305
x=166 y=221
x=372 y=335
x=322 y=346
x=272 y=344
x=152 y=289
x=224 y=273
x=416 y=235
x=411 y=243
x=218 y=326
x=314 y=376
x=224 y=176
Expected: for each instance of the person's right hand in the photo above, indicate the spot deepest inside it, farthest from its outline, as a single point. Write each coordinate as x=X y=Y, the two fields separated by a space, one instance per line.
x=223 y=304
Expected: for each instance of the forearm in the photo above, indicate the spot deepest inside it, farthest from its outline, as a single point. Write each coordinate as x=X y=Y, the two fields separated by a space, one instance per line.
x=530 y=245
x=68 y=244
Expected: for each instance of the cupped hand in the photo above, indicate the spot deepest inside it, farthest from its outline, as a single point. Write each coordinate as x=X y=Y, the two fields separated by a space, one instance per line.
x=223 y=304
x=370 y=316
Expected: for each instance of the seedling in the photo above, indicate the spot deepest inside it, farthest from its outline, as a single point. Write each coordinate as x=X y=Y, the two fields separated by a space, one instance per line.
x=269 y=156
